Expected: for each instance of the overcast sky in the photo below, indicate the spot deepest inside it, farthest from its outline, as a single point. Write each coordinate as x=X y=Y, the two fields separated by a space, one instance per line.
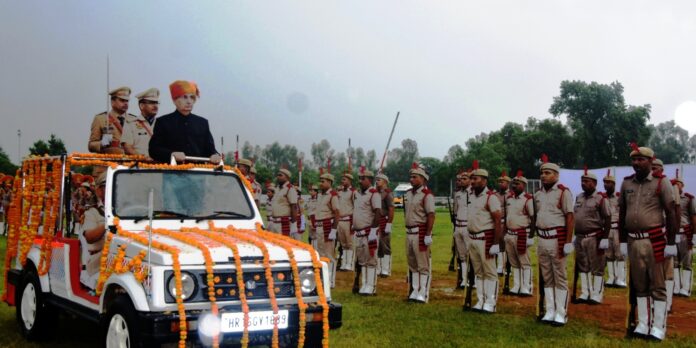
x=298 y=72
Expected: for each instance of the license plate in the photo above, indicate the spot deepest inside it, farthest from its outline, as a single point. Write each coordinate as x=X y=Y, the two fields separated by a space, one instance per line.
x=258 y=321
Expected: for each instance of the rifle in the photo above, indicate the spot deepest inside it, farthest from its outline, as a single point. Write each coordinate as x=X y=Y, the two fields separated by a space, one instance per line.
x=541 y=305
x=452 y=267
x=632 y=304
x=576 y=275
x=508 y=268
x=356 y=280
x=470 y=275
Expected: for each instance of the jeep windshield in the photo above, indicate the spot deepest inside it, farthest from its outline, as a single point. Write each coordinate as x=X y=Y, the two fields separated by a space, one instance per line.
x=180 y=195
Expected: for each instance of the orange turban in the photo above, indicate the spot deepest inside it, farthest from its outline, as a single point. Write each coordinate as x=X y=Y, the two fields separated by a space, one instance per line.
x=181 y=87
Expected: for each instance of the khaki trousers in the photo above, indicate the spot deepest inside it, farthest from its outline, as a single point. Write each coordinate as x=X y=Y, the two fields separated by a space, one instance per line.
x=516 y=260
x=684 y=254
x=418 y=261
x=326 y=249
x=344 y=235
x=586 y=257
x=613 y=253
x=384 y=247
x=362 y=250
x=484 y=268
x=461 y=242
x=553 y=268
x=647 y=276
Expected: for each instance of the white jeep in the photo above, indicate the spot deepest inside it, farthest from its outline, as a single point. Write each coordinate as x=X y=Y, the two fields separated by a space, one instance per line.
x=154 y=284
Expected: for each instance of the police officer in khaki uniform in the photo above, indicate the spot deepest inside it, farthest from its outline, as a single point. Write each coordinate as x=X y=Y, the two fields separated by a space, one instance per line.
x=346 y=196
x=284 y=204
x=419 y=207
x=658 y=168
x=592 y=225
x=386 y=218
x=485 y=231
x=519 y=209
x=138 y=130
x=93 y=231
x=685 y=239
x=327 y=216
x=616 y=264
x=646 y=199
x=311 y=209
x=270 y=192
x=367 y=209
x=502 y=193
x=461 y=234
x=106 y=129
x=554 y=222
x=256 y=187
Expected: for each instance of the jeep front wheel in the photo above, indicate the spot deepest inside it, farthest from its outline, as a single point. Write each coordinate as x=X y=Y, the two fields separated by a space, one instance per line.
x=119 y=323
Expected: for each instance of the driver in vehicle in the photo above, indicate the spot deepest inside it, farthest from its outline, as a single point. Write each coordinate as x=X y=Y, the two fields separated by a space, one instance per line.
x=93 y=231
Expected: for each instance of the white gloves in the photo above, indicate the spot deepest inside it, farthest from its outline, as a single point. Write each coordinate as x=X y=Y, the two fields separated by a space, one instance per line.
x=573 y=241
x=624 y=249
x=373 y=235
x=568 y=248
x=388 y=228
x=677 y=238
x=530 y=242
x=332 y=234
x=671 y=250
x=106 y=139
x=604 y=244
x=428 y=240
x=495 y=249
x=215 y=158
x=179 y=156
x=293 y=227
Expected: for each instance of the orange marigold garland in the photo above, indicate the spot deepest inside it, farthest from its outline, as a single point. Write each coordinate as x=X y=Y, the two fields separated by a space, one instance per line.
x=230 y=243
x=13 y=220
x=231 y=231
x=52 y=207
x=182 y=237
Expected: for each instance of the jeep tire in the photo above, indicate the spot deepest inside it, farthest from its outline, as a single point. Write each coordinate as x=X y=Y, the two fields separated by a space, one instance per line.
x=119 y=325
x=34 y=316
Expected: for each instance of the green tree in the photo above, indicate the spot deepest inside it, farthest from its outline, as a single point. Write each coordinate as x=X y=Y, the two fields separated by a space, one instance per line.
x=602 y=123
x=670 y=142
x=6 y=166
x=53 y=147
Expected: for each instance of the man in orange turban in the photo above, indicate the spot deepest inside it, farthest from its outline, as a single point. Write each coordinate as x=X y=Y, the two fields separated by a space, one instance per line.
x=181 y=133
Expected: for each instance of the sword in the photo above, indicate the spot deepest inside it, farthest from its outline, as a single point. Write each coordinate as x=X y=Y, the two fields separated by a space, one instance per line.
x=386 y=149
x=541 y=306
x=576 y=275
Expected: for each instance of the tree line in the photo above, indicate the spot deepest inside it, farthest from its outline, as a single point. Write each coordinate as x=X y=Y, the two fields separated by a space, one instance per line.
x=591 y=125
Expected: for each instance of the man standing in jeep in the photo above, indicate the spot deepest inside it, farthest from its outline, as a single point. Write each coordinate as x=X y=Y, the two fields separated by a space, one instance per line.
x=93 y=231
x=182 y=133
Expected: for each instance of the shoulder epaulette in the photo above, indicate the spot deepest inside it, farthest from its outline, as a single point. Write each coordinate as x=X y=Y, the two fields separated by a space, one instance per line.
x=101 y=113
x=387 y=190
x=603 y=194
x=630 y=176
x=689 y=195
x=333 y=192
x=373 y=190
x=288 y=185
x=489 y=192
x=427 y=190
x=511 y=194
x=562 y=187
x=352 y=189
x=659 y=176
x=528 y=195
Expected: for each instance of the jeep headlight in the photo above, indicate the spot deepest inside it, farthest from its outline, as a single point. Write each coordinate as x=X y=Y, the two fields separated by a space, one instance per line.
x=188 y=285
x=307 y=281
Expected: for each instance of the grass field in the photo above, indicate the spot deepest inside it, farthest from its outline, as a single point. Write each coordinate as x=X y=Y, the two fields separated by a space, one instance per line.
x=387 y=320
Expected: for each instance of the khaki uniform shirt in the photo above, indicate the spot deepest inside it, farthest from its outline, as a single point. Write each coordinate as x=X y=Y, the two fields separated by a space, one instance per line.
x=461 y=204
x=590 y=212
x=418 y=204
x=345 y=201
x=387 y=201
x=643 y=203
x=137 y=132
x=480 y=208
x=551 y=208
x=364 y=208
x=94 y=219
x=269 y=208
x=688 y=209
x=326 y=203
x=256 y=189
x=520 y=210
x=613 y=201
x=284 y=197
x=102 y=125
x=502 y=197
x=311 y=206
